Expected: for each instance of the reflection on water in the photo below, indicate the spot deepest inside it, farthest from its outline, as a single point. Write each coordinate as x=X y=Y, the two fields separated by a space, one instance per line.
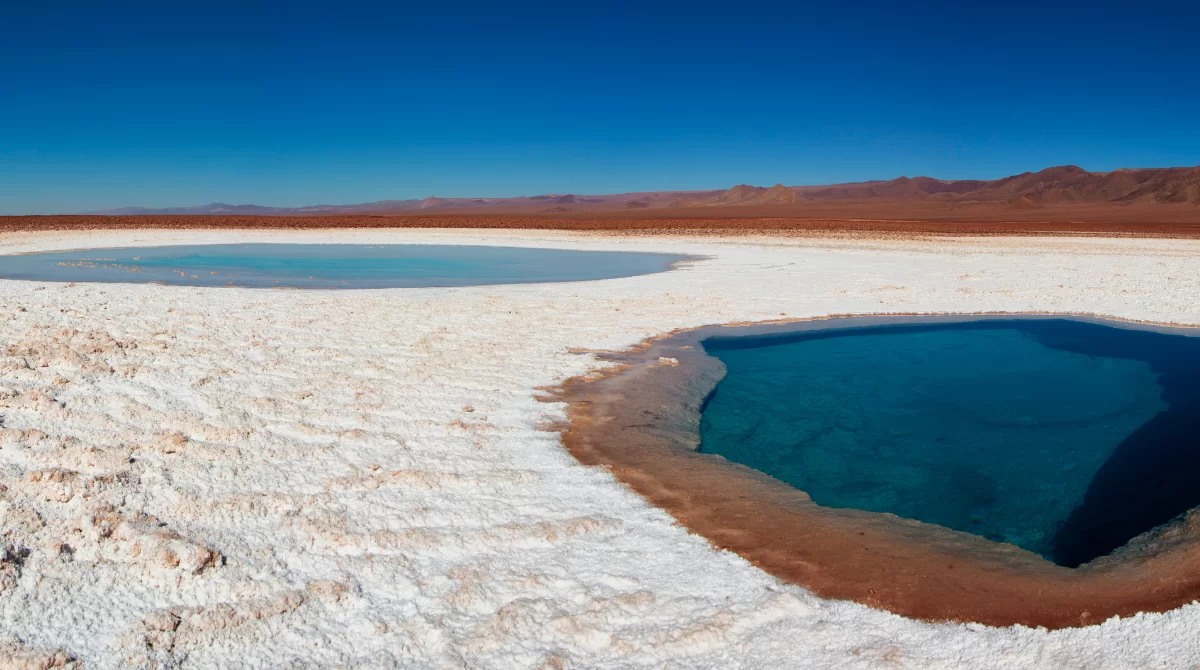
x=1062 y=437
x=332 y=265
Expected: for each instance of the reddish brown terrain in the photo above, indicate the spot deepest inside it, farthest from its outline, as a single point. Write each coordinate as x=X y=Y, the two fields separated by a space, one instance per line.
x=1059 y=200
x=1068 y=187
x=1179 y=221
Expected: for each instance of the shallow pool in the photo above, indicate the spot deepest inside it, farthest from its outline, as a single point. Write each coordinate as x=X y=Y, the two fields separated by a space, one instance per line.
x=332 y=266
x=1062 y=437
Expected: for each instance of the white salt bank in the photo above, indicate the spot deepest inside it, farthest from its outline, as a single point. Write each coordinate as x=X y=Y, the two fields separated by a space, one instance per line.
x=214 y=477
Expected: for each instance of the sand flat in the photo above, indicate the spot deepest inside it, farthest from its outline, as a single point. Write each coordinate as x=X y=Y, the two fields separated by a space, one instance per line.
x=197 y=477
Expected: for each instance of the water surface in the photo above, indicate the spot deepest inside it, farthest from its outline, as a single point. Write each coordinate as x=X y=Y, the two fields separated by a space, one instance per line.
x=329 y=266
x=1062 y=437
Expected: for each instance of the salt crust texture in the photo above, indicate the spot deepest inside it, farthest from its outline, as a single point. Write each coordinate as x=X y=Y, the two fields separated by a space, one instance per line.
x=211 y=478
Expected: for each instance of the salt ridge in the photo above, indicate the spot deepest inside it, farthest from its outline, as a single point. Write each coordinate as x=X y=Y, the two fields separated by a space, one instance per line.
x=204 y=477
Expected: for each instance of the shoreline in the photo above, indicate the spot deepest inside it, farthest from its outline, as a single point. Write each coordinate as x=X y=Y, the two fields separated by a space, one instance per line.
x=639 y=419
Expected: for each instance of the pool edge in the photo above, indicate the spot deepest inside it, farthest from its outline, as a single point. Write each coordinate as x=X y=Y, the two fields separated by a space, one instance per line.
x=630 y=419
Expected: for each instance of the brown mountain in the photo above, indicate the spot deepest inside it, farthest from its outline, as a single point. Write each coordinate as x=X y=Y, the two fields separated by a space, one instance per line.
x=740 y=194
x=1169 y=186
x=1065 y=192
x=1067 y=184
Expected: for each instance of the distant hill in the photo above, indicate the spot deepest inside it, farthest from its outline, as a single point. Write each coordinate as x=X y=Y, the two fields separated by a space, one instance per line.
x=1056 y=187
x=219 y=208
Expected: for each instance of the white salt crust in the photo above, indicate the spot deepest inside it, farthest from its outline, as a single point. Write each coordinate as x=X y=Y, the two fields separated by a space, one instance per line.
x=209 y=478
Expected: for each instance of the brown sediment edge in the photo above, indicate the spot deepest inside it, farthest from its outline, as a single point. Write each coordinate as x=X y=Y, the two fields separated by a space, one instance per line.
x=640 y=420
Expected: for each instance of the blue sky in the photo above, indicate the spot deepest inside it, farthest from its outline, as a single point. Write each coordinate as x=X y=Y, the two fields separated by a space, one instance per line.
x=158 y=105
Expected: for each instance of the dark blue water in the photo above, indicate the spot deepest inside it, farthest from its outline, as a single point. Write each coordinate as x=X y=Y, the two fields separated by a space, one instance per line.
x=332 y=265
x=1063 y=437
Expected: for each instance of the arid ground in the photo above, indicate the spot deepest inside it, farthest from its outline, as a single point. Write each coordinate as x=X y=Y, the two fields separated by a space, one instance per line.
x=197 y=477
x=1146 y=221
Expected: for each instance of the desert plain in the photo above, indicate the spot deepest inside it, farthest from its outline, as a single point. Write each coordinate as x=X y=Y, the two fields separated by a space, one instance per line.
x=195 y=477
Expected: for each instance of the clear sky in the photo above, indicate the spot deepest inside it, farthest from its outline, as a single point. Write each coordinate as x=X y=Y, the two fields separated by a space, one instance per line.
x=156 y=104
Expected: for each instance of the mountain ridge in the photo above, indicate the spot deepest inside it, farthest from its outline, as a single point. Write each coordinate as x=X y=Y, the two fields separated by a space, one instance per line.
x=1064 y=185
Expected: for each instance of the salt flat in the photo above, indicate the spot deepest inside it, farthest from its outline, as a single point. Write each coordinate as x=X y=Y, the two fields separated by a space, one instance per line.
x=195 y=477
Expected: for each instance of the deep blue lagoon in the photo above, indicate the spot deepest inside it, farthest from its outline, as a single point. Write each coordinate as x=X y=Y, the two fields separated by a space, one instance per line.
x=1064 y=437
x=332 y=266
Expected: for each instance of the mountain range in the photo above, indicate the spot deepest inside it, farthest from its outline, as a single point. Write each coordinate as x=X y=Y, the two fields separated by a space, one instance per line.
x=1053 y=188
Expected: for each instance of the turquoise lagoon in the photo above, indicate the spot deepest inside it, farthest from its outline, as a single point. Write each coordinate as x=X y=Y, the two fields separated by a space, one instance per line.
x=332 y=266
x=1064 y=437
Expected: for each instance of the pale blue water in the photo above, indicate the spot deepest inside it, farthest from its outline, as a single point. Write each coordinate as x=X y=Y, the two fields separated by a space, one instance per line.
x=1062 y=437
x=344 y=266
